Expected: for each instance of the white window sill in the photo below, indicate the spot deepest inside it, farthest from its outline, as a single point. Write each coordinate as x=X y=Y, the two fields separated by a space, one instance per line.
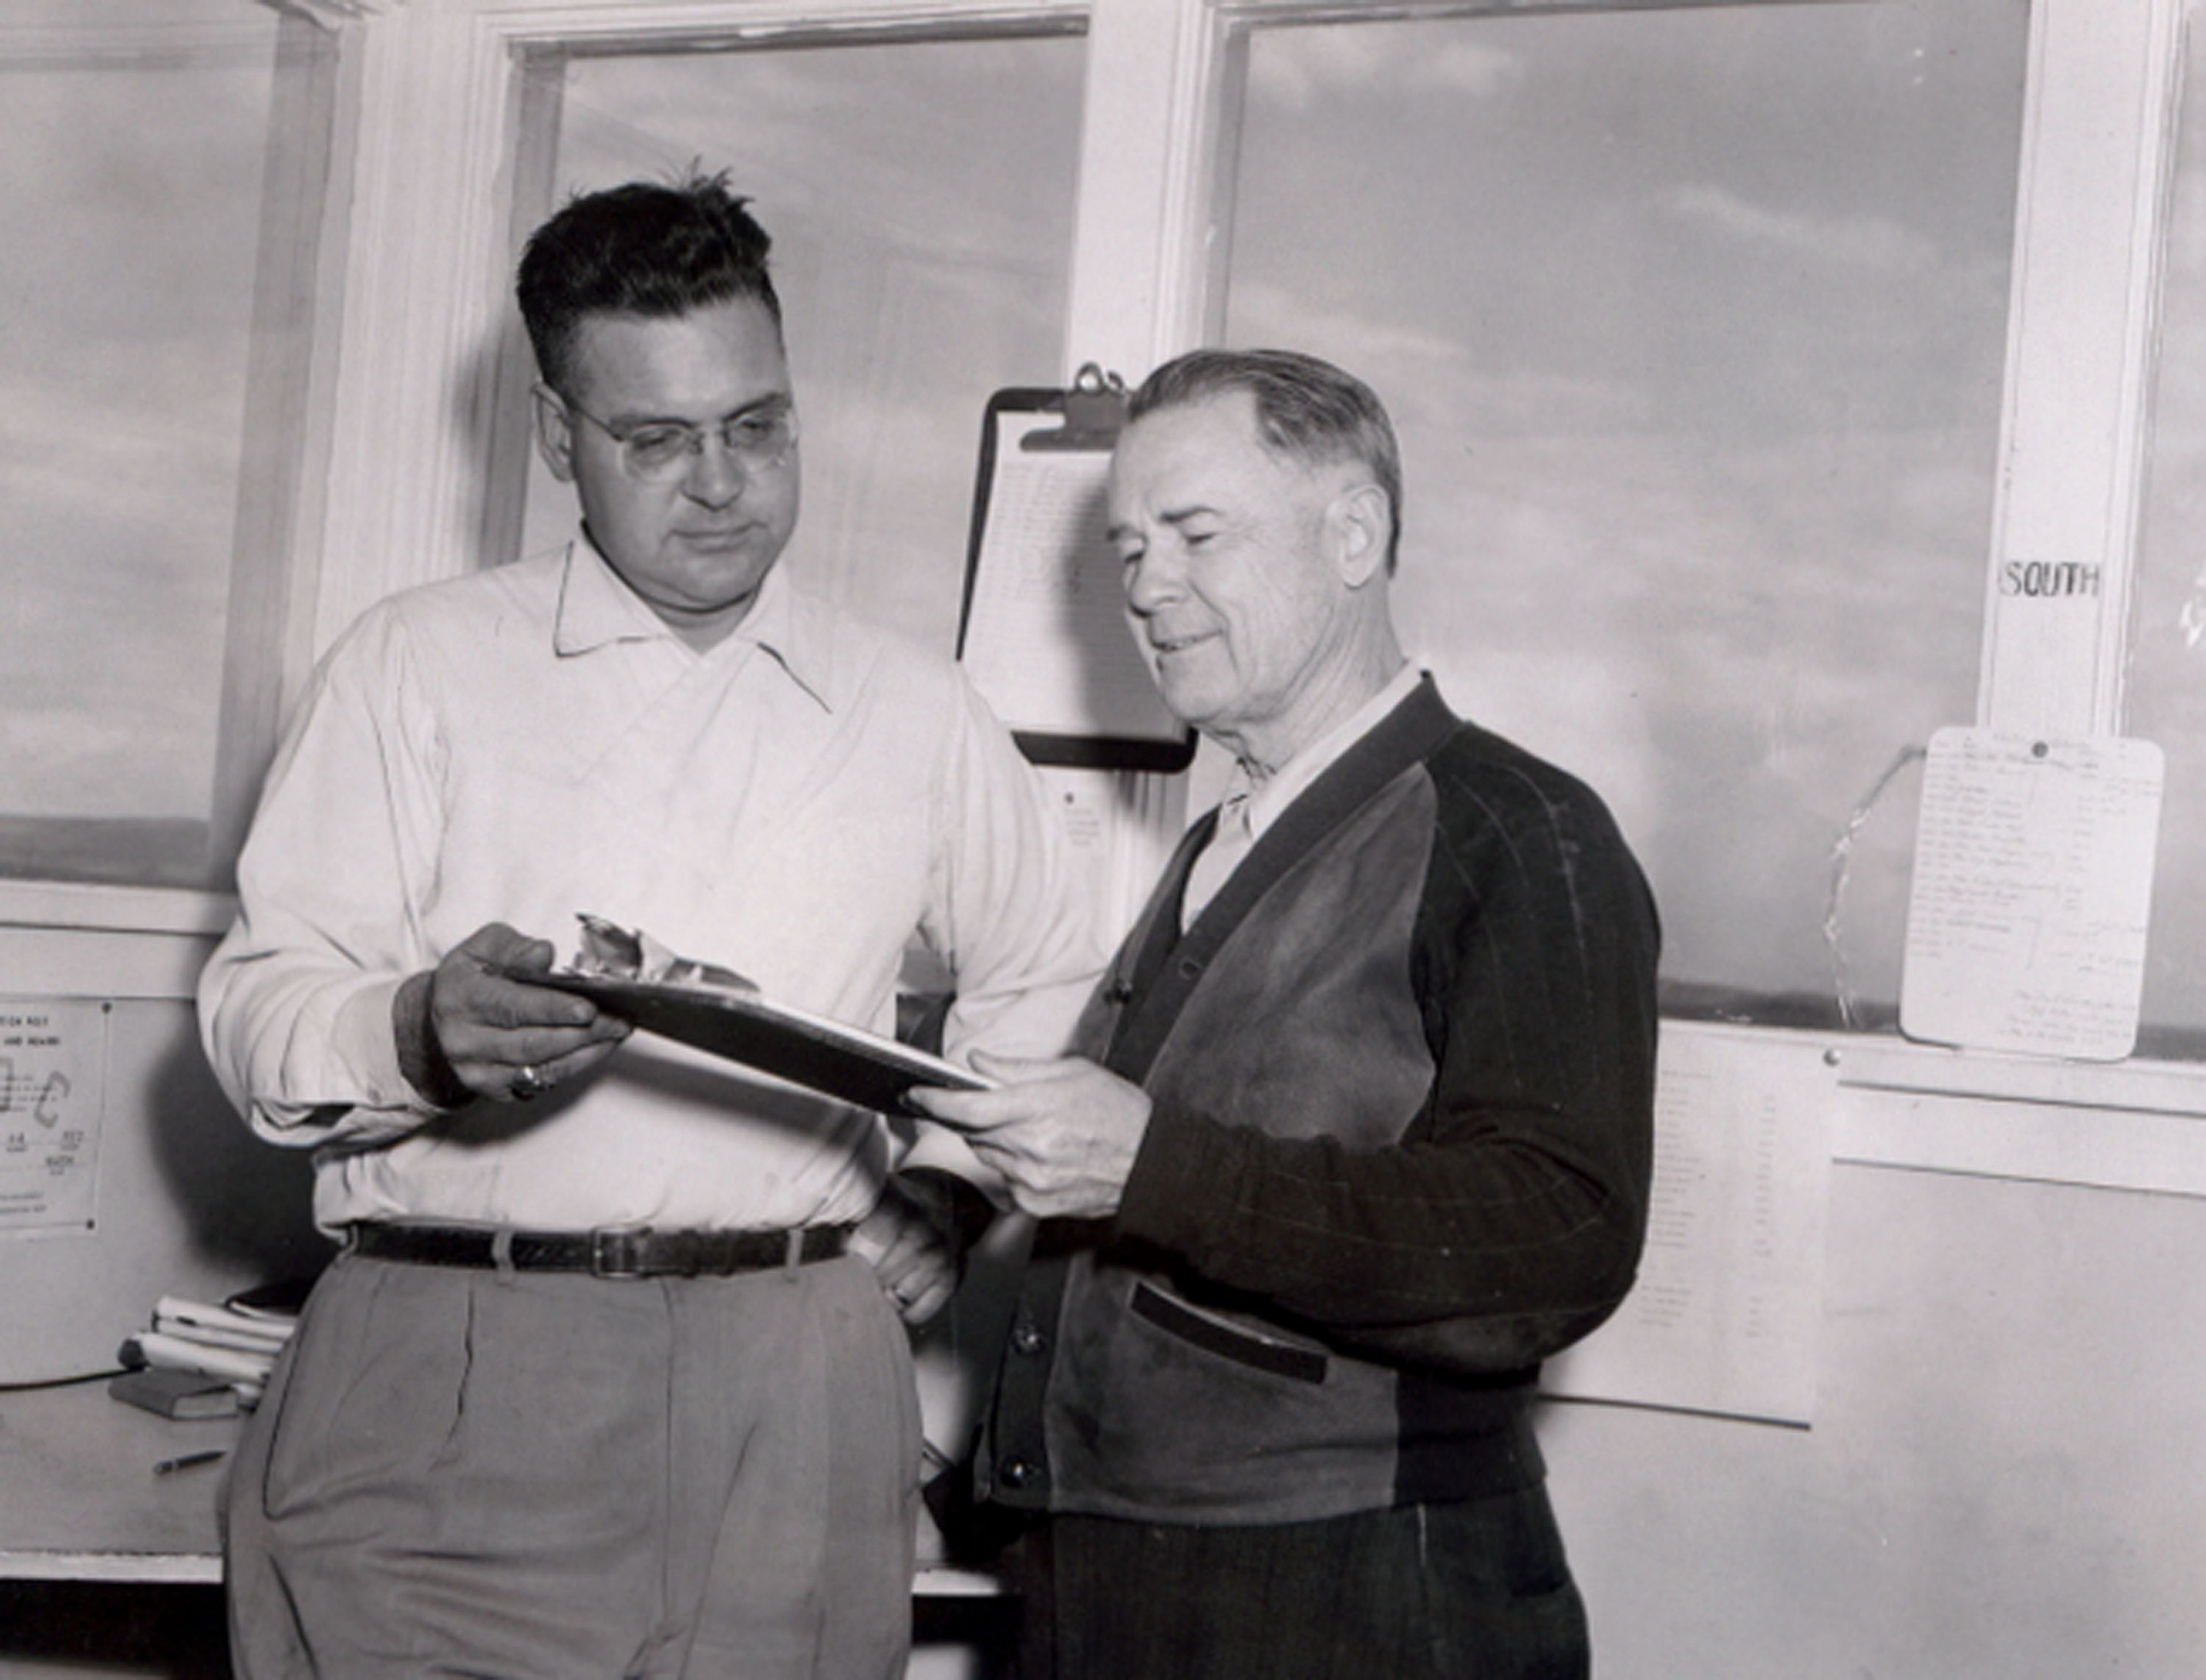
x=115 y=909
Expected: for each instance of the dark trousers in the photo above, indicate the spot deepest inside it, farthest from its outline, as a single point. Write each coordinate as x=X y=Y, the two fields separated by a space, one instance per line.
x=1474 y=1590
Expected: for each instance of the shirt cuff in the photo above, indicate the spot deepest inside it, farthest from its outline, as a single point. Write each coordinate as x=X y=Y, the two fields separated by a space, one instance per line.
x=936 y=1147
x=366 y=1045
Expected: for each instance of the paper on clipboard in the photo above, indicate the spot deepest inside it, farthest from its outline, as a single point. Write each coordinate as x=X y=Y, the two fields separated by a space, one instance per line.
x=1044 y=635
x=808 y=1050
x=628 y=972
x=2032 y=894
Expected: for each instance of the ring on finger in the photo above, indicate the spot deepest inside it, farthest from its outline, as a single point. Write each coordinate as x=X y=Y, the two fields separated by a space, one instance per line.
x=529 y=1083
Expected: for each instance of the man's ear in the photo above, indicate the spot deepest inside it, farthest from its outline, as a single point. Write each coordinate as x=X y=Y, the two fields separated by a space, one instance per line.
x=1360 y=518
x=555 y=433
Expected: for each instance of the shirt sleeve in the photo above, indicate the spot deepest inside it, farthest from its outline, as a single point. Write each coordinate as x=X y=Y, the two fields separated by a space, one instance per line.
x=1508 y=1219
x=1006 y=911
x=296 y=1002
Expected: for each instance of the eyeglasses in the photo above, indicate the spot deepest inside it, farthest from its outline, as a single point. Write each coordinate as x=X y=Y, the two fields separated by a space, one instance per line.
x=658 y=451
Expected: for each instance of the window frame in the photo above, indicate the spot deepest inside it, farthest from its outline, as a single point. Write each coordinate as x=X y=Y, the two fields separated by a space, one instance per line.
x=446 y=78
x=426 y=249
x=285 y=381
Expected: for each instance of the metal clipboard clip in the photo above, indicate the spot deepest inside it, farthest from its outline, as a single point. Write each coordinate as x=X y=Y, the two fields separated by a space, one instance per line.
x=1095 y=410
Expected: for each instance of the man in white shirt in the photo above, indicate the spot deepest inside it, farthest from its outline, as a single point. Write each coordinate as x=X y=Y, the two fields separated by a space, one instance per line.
x=600 y=1385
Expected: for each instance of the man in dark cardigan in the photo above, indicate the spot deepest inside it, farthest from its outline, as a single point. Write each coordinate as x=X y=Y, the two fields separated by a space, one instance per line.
x=1359 y=1129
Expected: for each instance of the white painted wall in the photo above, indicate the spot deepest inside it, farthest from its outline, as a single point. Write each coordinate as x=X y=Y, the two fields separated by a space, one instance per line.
x=2002 y=1482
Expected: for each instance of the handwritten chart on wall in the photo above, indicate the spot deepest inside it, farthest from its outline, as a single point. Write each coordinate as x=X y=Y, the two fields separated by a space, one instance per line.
x=1727 y=1314
x=53 y=1058
x=2032 y=889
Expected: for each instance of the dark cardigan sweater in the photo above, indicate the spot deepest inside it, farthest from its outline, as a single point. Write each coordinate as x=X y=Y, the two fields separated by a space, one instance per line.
x=1403 y=1072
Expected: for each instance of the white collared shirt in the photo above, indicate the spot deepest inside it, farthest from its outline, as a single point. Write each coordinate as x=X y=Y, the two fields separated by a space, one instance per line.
x=1249 y=807
x=530 y=743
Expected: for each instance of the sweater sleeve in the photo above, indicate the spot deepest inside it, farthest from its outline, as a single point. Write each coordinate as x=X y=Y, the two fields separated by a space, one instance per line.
x=1507 y=1218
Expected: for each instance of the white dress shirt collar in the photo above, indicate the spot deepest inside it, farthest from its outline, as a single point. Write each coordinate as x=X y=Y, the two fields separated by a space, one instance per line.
x=1285 y=785
x=597 y=607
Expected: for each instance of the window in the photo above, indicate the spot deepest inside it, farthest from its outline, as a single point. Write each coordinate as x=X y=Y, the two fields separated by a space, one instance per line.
x=919 y=196
x=162 y=197
x=1698 y=375
x=1748 y=500
x=2167 y=644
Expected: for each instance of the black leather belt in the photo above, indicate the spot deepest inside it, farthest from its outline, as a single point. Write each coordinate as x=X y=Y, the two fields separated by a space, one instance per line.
x=624 y=1251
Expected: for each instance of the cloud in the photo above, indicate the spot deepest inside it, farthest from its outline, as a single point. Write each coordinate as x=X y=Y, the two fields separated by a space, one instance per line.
x=909 y=140
x=52 y=735
x=83 y=762
x=1853 y=241
x=1291 y=71
x=141 y=488
x=1266 y=312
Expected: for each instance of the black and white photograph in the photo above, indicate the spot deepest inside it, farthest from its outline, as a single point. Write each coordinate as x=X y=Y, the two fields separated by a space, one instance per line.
x=1103 y=840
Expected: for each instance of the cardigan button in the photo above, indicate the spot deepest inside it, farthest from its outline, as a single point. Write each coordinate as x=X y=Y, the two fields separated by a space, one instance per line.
x=1017 y=1472
x=1027 y=1339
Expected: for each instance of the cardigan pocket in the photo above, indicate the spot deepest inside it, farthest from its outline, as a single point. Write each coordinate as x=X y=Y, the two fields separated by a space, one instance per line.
x=1227 y=1340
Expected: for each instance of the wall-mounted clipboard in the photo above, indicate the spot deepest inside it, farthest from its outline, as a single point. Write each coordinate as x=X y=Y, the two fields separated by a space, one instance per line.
x=1043 y=632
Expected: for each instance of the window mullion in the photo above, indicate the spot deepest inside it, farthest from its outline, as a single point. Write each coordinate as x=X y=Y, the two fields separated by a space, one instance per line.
x=2097 y=150
x=1148 y=183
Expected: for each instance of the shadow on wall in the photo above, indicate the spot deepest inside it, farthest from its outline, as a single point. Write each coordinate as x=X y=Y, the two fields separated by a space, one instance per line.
x=245 y=1204
x=186 y=1200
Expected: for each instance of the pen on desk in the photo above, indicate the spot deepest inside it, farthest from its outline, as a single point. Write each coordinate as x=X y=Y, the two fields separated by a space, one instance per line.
x=169 y=1466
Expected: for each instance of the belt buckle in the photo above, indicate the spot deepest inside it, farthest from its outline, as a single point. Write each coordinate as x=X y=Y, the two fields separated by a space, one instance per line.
x=616 y=1251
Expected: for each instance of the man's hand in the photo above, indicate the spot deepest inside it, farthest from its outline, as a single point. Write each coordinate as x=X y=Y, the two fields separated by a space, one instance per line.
x=911 y=1240
x=465 y=1032
x=1063 y=1133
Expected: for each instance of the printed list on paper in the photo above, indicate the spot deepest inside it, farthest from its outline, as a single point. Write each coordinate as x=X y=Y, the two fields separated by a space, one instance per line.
x=1046 y=640
x=1725 y=1316
x=2032 y=889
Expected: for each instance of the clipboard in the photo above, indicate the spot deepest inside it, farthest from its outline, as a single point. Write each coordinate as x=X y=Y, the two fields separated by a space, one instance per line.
x=809 y=1049
x=2031 y=899
x=1042 y=630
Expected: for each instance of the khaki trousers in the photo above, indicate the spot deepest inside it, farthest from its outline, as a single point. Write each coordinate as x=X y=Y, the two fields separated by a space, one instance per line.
x=533 y=1475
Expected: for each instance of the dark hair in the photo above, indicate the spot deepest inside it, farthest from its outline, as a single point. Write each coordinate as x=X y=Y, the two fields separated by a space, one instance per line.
x=1308 y=410
x=649 y=248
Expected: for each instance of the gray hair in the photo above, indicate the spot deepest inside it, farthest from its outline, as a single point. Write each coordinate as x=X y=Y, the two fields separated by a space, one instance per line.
x=1307 y=410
